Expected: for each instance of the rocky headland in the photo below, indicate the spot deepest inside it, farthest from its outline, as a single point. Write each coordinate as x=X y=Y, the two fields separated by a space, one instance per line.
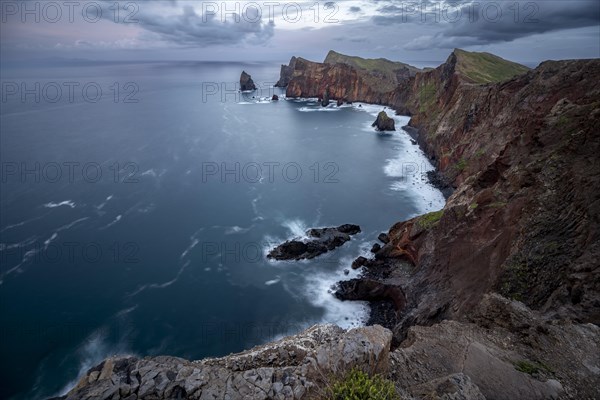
x=496 y=296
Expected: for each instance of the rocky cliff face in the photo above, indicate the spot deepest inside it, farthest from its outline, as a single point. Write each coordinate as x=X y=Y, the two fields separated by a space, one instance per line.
x=295 y=367
x=524 y=219
x=520 y=148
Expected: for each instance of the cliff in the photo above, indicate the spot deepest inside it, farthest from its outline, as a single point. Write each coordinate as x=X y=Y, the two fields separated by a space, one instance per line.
x=518 y=145
x=494 y=297
x=298 y=366
x=520 y=148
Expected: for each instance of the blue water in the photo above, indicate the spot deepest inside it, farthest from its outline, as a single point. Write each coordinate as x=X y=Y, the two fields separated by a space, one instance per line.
x=141 y=226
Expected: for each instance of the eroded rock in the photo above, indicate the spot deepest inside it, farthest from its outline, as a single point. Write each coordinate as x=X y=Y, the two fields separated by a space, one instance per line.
x=317 y=242
x=292 y=368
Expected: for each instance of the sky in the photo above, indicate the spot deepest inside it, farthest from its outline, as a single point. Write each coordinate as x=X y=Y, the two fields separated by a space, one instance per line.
x=422 y=32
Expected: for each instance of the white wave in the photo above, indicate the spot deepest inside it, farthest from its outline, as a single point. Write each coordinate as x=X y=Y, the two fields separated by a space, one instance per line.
x=273 y=281
x=126 y=311
x=408 y=169
x=117 y=219
x=150 y=172
x=164 y=284
x=245 y=102
x=269 y=243
x=297 y=228
x=236 y=229
x=101 y=206
x=22 y=223
x=318 y=109
x=347 y=314
x=62 y=203
x=94 y=350
x=27 y=242
x=72 y=224
x=190 y=247
x=50 y=240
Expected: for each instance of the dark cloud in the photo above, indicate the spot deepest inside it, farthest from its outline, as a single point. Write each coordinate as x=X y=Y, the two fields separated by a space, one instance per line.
x=491 y=21
x=196 y=30
x=355 y=9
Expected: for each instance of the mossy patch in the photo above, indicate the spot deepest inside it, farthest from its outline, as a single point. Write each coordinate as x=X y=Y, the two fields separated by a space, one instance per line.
x=531 y=368
x=428 y=221
x=461 y=165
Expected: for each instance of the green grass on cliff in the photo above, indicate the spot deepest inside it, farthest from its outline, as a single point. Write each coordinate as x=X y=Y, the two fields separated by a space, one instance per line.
x=486 y=67
x=428 y=221
x=369 y=64
x=357 y=385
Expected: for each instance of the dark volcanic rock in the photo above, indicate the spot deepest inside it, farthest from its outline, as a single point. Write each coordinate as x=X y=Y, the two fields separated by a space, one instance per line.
x=286 y=73
x=371 y=290
x=440 y=182
x=321 y=240
x=340 y=102
x=325 y=100
x=359 y=262
x=246 y=82
x=376 y=247
x=275 y=97
x=384 y=123
x=384 y=238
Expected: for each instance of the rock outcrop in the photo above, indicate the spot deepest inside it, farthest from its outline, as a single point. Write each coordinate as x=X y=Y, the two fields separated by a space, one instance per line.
x=384 y=123
x=246 y=82
x=317 y=242
x=505 y=351
x=299 y=366
x=286 y=73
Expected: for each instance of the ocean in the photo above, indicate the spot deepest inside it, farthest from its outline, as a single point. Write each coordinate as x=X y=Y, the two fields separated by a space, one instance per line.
x=139 y=200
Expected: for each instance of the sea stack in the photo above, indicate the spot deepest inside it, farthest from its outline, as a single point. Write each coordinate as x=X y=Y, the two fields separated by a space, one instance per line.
x=246 y=82
x=384 y=123
x=325 y=100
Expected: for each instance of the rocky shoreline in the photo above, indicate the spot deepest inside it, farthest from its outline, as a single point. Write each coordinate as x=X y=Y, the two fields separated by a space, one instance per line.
x=497 y=296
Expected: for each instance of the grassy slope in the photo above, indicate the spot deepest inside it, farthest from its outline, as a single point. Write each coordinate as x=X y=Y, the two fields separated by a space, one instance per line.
x=369 y=64
x=486 y=67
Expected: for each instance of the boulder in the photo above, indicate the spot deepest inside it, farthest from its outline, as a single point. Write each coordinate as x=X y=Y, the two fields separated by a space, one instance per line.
x=384 y=238
x=384 y=123
x=340 y=102
x=376 y=247
x=359 y=262
x=275 y=97
x=246 y=82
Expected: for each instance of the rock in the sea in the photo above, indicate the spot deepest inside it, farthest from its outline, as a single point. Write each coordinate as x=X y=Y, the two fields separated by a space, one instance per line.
x=371 y=290
x=340 y=102
x=325 y=99
x=246 y=82
x=294 y=367
x=384 y=123
x=319 y=241
x=384 y=238
x=359 y=262
x=376 y=247
x=275 y=97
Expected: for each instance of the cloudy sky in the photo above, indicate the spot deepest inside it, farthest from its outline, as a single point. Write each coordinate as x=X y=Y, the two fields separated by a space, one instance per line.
x=524 y=31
